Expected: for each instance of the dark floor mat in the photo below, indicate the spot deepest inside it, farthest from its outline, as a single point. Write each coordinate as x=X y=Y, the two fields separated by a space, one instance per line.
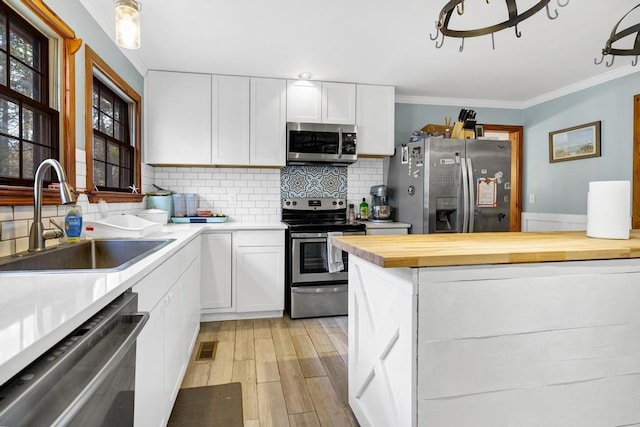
x=210 y=406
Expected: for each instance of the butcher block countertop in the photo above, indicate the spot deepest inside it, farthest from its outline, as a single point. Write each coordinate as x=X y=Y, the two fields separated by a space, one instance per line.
x=432 y=250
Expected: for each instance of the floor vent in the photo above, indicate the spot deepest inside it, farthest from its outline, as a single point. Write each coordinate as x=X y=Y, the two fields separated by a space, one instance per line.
x=207 y=350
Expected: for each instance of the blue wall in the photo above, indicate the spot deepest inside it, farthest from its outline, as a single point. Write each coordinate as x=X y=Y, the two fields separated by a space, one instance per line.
x=558 y=187
x=86 y=28
x=562 y=187
x=412 y=117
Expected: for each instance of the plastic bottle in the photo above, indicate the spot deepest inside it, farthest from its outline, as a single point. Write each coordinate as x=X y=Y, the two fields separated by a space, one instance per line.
x=73 y=223
x=352 y=214
x=364 y=210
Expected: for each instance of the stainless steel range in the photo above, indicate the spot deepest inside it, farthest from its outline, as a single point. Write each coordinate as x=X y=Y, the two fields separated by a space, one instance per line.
x=311 y=289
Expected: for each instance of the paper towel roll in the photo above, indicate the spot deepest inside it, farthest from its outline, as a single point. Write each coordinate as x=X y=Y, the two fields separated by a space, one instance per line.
x=608 y=209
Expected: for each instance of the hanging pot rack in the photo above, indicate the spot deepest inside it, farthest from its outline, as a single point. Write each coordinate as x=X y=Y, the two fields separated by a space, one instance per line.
x=619 y=35
x=442 y=24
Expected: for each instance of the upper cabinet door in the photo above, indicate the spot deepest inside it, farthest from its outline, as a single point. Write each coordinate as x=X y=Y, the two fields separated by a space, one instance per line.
x=177 y=118
x=230 y=120
x=339 y=103
x=268 y=122
x=304 y=101
x=376 y=120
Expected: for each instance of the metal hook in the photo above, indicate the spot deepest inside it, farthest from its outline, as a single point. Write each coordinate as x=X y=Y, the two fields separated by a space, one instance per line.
x=609 y=64
x=461 y=45
x=635 y=61
x=493 y=41
x=549 y=13
x=441 y=43
x=460 y=8
x=437 y=33
x=563 y=4
x=518 y=33
x=595 y=61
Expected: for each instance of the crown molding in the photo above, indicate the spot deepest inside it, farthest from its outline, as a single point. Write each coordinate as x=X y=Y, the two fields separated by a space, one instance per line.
x=581 y=85
x=456 y=102
x=517 y=105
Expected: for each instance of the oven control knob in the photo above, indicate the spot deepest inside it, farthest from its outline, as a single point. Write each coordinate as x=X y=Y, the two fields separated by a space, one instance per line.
x=295 y=203
x=335 y=203
x=287 y=203
x=341 y=203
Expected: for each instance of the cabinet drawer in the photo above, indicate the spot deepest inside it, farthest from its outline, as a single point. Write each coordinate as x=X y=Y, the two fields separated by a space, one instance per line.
x=260 y=238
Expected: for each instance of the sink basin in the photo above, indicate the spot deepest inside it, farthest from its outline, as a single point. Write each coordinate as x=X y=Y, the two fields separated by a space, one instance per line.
x=114 y=254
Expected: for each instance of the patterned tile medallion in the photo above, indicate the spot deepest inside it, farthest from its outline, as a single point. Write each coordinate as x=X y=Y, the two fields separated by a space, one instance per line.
x=313 y=181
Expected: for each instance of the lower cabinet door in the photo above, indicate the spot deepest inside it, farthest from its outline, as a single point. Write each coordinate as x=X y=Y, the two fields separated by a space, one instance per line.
x=149 y=406
x=260 y=278
x=215 y=281
x=174 y=349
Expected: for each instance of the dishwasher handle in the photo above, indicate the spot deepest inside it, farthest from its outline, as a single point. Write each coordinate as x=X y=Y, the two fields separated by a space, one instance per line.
x=78 y=403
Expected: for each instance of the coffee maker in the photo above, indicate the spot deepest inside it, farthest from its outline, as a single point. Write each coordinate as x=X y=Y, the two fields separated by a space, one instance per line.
x=380 y=209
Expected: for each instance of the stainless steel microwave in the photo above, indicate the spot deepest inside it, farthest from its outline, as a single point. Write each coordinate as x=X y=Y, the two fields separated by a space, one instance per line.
x=321 y=143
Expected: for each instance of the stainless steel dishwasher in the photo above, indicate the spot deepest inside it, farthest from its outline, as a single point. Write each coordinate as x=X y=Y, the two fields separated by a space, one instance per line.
x=87 y=379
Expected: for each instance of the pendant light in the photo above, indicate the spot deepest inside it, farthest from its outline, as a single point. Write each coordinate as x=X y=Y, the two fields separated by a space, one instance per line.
x=515 y=16
x=128 y=23
x=617 y=35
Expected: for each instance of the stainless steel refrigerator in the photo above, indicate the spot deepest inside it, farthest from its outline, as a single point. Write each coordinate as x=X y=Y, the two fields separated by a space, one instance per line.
x=441 y=185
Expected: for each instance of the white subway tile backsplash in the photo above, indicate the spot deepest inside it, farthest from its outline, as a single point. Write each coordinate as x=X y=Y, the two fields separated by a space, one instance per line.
x=6 y=213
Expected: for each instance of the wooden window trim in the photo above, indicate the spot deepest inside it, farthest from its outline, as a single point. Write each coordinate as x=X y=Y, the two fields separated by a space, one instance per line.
x=92 y=60
x=23 y=196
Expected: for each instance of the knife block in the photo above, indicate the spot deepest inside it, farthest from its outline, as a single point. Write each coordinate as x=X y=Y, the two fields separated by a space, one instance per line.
x=457 y=131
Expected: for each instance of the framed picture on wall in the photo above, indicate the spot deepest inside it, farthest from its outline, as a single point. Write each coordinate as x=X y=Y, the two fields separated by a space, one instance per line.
x=577 y=142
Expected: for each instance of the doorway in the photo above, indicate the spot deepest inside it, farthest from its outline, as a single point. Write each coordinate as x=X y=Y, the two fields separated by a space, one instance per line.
x=515 y=134
x=635 y=210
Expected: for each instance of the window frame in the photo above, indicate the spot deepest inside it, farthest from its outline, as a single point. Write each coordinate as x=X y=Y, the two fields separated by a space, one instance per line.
x=124 y=145
x=94 y=62
x=69 y=45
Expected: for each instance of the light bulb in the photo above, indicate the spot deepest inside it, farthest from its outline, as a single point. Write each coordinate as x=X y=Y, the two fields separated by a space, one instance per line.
x=127 y=24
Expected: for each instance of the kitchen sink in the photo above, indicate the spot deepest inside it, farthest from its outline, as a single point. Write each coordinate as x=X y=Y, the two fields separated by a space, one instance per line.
x=113 y=254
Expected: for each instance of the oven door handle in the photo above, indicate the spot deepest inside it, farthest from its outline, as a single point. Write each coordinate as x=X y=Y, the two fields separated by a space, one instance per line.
x=318 y=289
x=308 y=235
x=311 y=239
x=78 y=403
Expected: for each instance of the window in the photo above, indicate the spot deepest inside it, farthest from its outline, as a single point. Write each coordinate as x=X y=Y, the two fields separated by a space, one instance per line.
x=28 y=126
x=112 y=133
x=112 y=152
x=68 y=44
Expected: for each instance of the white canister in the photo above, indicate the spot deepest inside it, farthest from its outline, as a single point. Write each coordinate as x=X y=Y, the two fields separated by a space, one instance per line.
x=179 y=205
x=192 y=204
x=608 y=209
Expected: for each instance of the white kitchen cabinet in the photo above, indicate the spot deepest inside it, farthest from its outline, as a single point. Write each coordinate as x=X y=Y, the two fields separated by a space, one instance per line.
x=230 y=120
x=321 y=102
x=375 y=120
x=259 y=266
x=268 y=122
x=216 y=285
x=177 y=118
x=169 y=294
x=304 y=101
x=339 y=103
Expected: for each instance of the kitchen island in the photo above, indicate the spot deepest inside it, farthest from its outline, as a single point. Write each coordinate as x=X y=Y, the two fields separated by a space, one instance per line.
x=494 y=329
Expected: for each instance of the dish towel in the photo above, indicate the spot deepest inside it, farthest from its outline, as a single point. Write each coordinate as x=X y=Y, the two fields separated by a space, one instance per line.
x=334 y=255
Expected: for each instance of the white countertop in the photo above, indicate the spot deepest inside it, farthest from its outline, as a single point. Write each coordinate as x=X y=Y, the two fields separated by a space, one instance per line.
x=38 y=309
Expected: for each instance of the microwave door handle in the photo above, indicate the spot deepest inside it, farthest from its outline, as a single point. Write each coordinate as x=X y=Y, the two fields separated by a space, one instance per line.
x=339 y=143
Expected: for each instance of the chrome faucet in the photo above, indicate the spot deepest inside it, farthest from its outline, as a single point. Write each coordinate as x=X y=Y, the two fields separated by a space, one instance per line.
x=38 y=233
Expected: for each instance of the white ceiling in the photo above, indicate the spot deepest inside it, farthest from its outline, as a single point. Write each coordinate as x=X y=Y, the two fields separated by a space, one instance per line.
x=380 y=42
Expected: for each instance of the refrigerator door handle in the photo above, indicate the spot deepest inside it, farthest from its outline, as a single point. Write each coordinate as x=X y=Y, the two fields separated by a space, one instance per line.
x=472 y=195
x=465 y=196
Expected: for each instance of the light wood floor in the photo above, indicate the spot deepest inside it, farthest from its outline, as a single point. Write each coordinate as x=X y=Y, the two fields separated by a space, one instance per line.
x=293 y=372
